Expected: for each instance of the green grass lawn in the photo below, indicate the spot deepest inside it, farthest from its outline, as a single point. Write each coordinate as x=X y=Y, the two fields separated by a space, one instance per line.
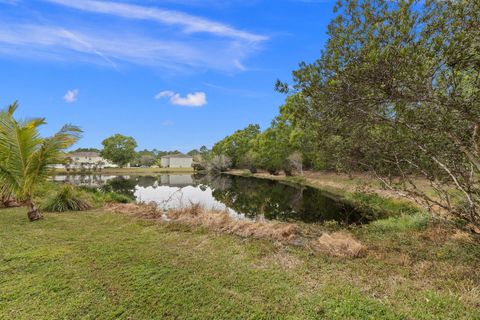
x=98 y=265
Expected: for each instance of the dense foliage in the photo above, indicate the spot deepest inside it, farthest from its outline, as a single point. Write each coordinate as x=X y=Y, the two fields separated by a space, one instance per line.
x=236 y=146
x=119 y=149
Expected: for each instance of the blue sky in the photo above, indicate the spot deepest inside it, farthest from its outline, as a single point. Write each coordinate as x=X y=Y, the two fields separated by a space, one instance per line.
x=174 y=74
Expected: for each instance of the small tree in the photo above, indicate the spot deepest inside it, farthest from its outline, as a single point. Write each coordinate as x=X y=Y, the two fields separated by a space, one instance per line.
x=25 y=156
x=250 y=160
x=119 y=149
x=296 y=161
x=219 y=163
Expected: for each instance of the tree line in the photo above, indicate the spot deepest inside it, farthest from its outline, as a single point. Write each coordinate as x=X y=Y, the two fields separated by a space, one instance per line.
x=121 y=150
x=395 y=92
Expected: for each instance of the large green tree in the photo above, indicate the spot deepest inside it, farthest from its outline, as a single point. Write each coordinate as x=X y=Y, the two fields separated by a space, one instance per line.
x=119 y=149
x=25 y=156
x=274 y=147
x=398 y=89
x=236 y=145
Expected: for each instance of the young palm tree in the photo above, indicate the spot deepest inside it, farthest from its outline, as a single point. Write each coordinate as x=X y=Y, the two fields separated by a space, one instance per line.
x=25 y=156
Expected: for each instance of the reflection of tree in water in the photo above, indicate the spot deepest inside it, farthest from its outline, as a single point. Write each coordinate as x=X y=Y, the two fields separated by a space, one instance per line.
x=146 y=181
x=256 y=198
x=121 y=185
x=273 y=200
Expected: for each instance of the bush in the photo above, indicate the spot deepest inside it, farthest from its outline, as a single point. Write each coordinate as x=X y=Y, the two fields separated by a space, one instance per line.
x=67 y=199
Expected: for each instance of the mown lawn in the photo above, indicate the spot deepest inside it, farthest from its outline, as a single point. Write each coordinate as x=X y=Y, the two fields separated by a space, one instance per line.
x=100 y=265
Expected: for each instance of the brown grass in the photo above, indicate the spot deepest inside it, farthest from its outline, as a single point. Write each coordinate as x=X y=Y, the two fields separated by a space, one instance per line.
x=339 y=244
x=220 y=221
x=149 y=211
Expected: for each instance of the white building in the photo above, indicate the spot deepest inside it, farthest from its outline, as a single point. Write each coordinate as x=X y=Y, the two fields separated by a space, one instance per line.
x=176 y=161
x=85 y=161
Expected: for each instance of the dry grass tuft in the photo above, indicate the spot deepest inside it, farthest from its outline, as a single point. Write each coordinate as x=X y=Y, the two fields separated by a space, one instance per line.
x=149 y=210
x=339 y=244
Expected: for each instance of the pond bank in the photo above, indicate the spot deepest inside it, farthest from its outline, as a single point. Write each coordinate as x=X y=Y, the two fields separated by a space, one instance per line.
x=314 y=238
x=360 y=191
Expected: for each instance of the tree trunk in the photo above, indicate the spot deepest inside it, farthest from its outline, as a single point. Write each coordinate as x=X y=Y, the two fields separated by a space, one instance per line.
x=33 y=212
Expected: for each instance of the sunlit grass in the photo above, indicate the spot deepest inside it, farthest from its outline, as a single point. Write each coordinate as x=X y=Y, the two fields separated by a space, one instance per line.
x=96 y=265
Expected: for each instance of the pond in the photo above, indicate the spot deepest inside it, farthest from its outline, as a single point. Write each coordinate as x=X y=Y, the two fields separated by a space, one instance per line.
x=242 y=197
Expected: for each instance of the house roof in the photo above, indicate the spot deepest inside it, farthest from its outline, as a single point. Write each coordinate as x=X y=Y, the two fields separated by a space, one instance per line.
x=177 y=155
x=85 y=154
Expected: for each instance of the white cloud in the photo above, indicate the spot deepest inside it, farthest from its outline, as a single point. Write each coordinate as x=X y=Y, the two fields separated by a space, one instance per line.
x=163 y=94
x=110 y=47
x=196 y=99
x=189 y=23
x=71 y=96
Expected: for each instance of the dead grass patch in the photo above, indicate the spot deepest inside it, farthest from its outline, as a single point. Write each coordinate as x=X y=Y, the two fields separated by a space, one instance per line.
x=220 y=221
x=339 y=244
x=149 y=210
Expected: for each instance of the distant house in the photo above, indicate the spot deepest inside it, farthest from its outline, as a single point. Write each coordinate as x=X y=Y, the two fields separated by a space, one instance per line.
x=176 y=161
x=85 y=161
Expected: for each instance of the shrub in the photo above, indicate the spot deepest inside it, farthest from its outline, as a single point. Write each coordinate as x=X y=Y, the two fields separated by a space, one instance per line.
x=67 y=199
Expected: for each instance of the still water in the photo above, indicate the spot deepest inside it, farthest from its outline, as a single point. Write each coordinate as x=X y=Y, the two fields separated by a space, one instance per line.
x=241 y=197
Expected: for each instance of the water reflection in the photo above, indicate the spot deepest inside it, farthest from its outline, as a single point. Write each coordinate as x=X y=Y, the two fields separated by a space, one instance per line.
x=242 y=197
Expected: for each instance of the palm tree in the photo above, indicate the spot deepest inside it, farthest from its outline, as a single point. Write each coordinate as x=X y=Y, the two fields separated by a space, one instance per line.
x=25 y=156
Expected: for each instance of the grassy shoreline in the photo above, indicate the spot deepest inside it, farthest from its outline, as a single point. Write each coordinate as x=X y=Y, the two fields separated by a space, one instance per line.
x=100 y=265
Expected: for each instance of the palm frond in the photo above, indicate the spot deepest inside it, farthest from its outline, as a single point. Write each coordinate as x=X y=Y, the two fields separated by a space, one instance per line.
x=11 y=108
x=51 y=152
x=25 y=155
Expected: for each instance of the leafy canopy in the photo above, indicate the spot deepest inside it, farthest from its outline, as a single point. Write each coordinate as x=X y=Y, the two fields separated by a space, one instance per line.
x=119 y=149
